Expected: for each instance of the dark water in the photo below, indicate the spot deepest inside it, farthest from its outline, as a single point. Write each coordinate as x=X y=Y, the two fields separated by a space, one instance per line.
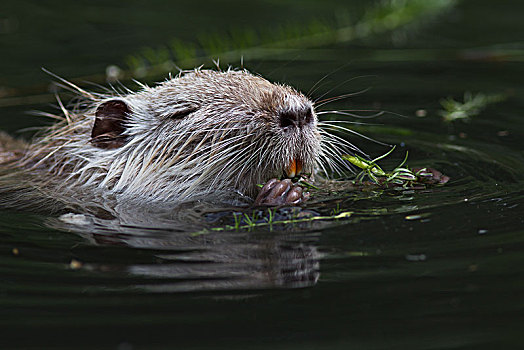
x=437 y=269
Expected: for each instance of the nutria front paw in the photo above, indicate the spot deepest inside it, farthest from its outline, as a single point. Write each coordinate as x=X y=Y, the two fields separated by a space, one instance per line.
x=276 y=192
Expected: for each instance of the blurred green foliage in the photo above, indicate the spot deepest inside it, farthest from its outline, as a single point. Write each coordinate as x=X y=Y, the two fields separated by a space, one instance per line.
x=473 y=104
x=383 y=17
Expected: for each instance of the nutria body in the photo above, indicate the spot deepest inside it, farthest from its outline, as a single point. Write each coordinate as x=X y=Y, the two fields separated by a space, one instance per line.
x=200 y=133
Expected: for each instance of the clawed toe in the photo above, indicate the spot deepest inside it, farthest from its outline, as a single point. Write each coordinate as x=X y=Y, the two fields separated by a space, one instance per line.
x=281 y=192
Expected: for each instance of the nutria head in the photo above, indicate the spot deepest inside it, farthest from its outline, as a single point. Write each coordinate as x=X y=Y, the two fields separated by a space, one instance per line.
x=192 y=135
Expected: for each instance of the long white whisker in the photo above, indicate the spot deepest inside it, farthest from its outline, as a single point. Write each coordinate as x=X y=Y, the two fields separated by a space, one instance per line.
x=341 y=97
x=314 y=87
x=339 y=139
x=349 y=131
x=352 y=114
x=342 y=83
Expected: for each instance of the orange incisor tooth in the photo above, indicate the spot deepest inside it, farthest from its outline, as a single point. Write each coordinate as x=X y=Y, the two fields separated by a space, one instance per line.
x=298 y=166
x=294 y=168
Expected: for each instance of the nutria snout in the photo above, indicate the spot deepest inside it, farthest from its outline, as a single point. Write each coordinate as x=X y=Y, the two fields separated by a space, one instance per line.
x=199 y=133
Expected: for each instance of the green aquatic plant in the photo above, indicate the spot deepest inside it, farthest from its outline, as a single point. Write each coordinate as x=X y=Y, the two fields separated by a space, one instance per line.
x=369 y=168
x=251 y=220
x=472 y=106
x=307 y=185
x=399 y=176
x=270 y=217
x=241 y=225
x=335 y=211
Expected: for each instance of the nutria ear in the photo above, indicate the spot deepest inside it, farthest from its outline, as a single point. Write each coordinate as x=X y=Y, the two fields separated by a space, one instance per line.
x=109 y=124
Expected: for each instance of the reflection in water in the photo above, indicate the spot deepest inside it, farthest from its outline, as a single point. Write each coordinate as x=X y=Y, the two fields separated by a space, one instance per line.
x=225 y=266
x=181 y=261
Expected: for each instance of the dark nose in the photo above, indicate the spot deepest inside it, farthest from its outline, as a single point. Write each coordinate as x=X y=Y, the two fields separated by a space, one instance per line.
x=290 y=119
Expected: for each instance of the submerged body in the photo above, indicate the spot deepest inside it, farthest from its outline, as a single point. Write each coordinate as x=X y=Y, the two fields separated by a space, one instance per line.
x=203 y=132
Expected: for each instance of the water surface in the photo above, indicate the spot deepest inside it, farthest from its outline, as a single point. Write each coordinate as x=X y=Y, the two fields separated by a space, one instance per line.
x=435 y=269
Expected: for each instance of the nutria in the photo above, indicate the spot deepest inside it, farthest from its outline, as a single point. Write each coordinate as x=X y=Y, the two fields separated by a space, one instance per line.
x=202 y=132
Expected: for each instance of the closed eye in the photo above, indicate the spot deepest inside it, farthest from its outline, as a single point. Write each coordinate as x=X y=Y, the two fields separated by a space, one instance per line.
x=181 y=113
